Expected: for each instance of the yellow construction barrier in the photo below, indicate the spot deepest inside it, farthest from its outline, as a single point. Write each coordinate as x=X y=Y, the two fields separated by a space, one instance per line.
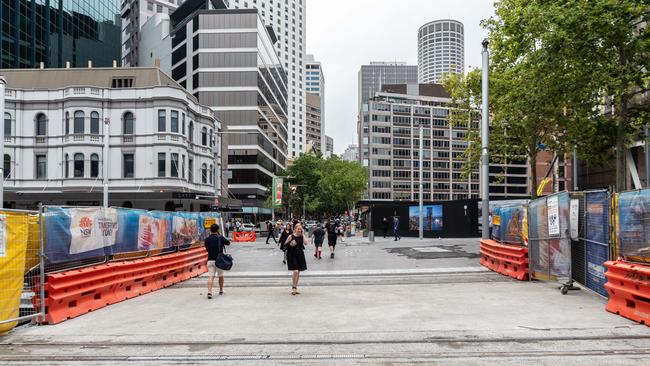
x=14 y=229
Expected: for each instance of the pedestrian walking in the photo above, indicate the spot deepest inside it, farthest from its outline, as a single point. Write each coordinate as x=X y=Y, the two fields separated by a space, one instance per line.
x=296 y=262
x=385 y=225
x=396 y=228
x=214 y=244
x=269 y=227
x=318 y=236
x=283 y=238
x=330 y=227
x=226 y=228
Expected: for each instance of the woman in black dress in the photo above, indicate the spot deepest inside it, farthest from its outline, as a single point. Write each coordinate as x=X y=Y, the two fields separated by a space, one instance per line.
x=296 y=262
x=283 y=237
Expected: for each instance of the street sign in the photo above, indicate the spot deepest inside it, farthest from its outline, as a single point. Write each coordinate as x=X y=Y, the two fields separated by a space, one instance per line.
x=277 y=191
x=209 y=221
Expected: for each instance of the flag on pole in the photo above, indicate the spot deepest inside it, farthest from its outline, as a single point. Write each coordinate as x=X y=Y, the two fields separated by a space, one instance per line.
x=277 y=191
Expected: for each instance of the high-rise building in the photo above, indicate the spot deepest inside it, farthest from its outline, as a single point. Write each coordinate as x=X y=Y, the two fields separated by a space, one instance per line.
x=59 y=32
x=371 y=79
x=315 y=85
x=329 y=146
x=395 y=116
x=441 y=49
x=226 y=58
x=135 y=13
x=351 y=153
x=287 y=18
x=160 y=151
x=314 y=115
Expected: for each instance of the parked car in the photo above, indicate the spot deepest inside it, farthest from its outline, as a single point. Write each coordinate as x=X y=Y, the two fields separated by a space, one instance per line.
x=248 y=227
x=310 y=224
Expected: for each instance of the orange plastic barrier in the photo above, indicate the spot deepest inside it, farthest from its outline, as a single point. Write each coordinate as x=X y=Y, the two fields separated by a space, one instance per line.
x=509 y=260
x=628 y=286
x=244 y=236
x=76 y=292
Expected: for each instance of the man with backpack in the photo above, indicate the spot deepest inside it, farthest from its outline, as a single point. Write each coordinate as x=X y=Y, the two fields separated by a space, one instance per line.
x=269 y=227
x=215 y=244
x=318 y=237
x=331 y=228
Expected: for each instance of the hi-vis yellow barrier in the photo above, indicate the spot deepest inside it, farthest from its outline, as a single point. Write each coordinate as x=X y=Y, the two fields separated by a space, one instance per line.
x=14 y=238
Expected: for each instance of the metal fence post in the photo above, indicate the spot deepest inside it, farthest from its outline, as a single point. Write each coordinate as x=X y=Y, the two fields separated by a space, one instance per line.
x=41 y=252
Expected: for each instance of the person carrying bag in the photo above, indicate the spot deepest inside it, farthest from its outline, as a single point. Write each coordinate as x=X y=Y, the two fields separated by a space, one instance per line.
x=218 y=260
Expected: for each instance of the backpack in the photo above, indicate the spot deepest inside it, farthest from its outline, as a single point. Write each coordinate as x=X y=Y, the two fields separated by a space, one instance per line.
x=331 y=228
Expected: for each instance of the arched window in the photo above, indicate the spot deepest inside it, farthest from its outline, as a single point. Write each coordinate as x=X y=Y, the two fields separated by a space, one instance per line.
x=79 y=165
x=66 y=168
x=204 y=174
x=204 y=136
x=67 y=123
x=7 y=125
x=128 y=123
x=191 y=131
x=210 y=137
x=211 y=172
x=94 y=165
x=79 y=122
x=6 y=166
x=41 y=125
x=94 y=123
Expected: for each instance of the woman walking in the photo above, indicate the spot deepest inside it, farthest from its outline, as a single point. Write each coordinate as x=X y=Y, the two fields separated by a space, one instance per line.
x=296 y=262
x=283 y=238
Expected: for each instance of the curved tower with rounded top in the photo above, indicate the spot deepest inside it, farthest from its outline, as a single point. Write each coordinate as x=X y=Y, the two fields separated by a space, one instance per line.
x=441 y=49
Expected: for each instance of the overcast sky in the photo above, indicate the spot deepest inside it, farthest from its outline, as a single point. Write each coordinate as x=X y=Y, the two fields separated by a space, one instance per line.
x=345 y=34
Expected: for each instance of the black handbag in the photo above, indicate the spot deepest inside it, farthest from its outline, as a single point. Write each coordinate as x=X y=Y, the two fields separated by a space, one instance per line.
x=224 y=260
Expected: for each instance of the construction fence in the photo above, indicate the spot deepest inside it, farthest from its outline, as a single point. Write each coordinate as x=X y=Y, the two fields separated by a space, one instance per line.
x=36 y=244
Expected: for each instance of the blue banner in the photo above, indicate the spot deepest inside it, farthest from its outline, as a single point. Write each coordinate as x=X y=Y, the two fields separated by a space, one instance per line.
x=87 y=232
x=597 y=235
x=634 y=225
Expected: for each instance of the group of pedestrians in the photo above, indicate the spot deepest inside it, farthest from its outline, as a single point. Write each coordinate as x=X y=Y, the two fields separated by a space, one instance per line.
x=386 y=224
x=292 y=241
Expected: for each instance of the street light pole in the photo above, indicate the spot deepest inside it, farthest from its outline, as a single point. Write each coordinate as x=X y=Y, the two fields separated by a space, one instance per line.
x=421 y=189
x=107 y=122
x=2 y=141
x=485 y=182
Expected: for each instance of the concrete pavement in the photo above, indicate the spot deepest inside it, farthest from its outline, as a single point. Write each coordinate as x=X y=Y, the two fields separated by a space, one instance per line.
x=392 y=306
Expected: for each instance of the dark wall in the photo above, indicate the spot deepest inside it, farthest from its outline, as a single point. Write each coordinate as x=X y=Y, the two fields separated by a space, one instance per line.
x=458 y=221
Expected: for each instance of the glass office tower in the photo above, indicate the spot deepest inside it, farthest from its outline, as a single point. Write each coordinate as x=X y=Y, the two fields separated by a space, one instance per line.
x=57 y=31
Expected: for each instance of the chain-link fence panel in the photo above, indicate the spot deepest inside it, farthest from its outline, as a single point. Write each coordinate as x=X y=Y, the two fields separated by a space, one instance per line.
x=549 y=241
x=634 y=225
x=597 y=214
x=20 y=269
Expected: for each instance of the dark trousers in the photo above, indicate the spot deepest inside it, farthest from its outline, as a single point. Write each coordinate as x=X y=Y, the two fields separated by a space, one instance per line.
x=271 y=236
x=396 y=233
x=385 y=232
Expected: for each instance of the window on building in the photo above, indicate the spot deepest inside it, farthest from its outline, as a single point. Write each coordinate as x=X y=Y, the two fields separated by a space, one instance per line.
x=67 y=123
x=191 y=131
x=183 y=123
x=190 y=170
x=79 y=122
x=6 y=166
x=211 y=173
x=174 y=165
x=94 y=123
x=94 y=165
x=174 y=121
x=204 y=174
x=41 y=125
x=7 y=125
x=41 y=166
x=162 y=120
x=66 y=168
x=210 y=137
x=204 y=136
x=129 y=165
x=127 y=123
x=78 y=165
x=162 y=165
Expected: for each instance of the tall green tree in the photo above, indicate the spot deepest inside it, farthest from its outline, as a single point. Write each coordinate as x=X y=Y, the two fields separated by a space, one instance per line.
x=581 y=57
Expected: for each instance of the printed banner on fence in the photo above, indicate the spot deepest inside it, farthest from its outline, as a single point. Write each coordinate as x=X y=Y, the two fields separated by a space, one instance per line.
x=574 y=212
x=553 y=216
x=634 y=225
x=92 y=228
x=78 y=233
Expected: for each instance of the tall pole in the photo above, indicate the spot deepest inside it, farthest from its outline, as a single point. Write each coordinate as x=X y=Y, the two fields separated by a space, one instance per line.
x=107 y=122
x=420 y=196
x=574 y=166
x=647 y=157
x=485 y=182
x=2 y=141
